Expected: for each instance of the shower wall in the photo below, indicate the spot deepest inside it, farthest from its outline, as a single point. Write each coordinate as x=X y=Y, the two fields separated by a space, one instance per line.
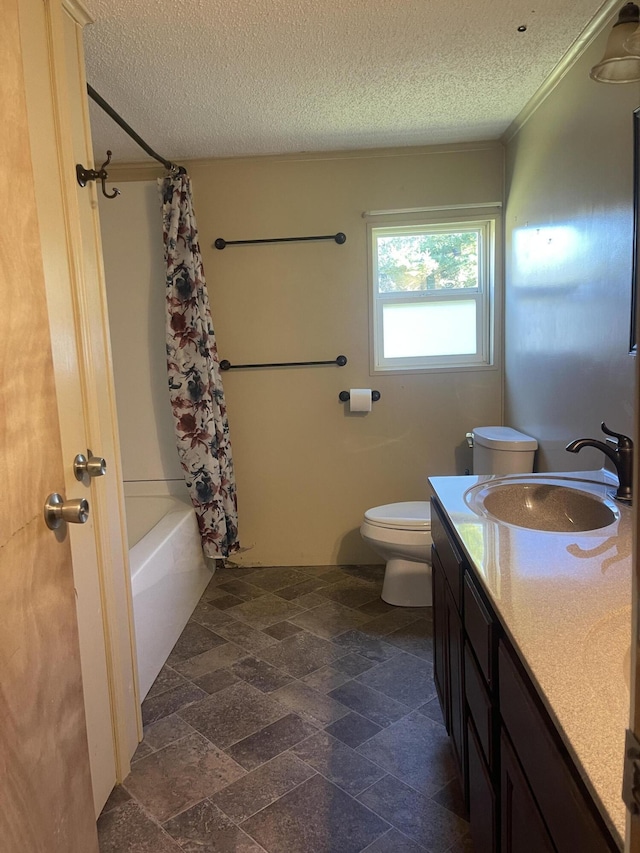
x=133 y=257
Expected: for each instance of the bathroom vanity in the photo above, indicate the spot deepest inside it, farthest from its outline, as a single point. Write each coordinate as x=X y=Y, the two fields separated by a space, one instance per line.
x=531 y=639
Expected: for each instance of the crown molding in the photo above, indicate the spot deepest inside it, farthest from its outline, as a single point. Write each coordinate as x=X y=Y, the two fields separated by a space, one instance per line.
x=600 y=20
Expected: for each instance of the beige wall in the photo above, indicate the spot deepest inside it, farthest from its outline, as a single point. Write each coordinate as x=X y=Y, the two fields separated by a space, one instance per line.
x=306 y=469
x=569 y=229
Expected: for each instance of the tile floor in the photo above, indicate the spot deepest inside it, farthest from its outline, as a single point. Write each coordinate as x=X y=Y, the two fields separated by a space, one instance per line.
x=296 y=714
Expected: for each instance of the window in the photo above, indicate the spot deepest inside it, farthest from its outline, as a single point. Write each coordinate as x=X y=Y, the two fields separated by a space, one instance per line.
x=432 y=286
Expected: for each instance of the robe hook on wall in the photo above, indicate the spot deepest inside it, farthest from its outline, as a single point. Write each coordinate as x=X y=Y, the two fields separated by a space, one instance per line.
x=85 y=175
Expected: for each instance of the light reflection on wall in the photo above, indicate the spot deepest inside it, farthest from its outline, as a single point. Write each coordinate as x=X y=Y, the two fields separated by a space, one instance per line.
x=546 y=257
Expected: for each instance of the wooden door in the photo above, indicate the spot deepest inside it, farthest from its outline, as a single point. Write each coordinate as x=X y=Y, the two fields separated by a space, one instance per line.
x=44 y=98
x=47 y=804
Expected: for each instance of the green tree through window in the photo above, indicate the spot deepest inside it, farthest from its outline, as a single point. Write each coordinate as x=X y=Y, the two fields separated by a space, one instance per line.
x=418 y=262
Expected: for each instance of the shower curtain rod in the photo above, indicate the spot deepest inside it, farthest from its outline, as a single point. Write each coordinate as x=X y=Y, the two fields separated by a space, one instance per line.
x=109 y=110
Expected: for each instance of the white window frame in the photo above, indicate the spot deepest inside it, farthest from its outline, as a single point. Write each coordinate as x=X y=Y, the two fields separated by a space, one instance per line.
x=487 y=222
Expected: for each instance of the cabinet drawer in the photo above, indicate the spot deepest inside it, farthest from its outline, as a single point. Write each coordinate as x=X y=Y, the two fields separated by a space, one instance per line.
x=481 y=629
x=479 y=705
x=561 y=797
x=450 y=558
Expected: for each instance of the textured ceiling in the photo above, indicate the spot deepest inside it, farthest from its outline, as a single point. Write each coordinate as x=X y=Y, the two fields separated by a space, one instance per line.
x=204 y=78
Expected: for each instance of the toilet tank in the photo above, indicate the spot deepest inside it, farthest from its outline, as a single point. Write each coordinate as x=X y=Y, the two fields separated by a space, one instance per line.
x=502 y=450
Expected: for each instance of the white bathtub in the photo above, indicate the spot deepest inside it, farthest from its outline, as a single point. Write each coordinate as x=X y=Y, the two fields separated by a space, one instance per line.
x=168 y=576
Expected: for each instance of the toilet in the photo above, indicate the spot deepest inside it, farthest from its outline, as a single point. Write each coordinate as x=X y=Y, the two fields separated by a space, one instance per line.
x=401 y=532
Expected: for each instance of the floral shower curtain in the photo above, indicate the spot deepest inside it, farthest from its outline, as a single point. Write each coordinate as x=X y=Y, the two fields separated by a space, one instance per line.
x=195 y=385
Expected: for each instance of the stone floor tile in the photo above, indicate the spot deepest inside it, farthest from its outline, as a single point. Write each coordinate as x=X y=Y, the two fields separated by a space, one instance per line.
x=242 y=589
x=270 y=741
x=218 y=658
x=246 y=637
x=452 y=798
x=180 y=775
x=301 y=588
x=315 y=816
x=353 y=729
x=464 y=845
x=433 y=710
x=301 y=654
x=167 y=679
x=282 y=630
x=386 y=623
x=166 y=731
x=415 y=815
x=260 y=674
x=277 y=577
x=333 y=574
x=205 y=829
x=318 y=708
x=233 y=714
x=416 y=638
x=228 y=573
x=369 y=703
x=370 y=572
x=213 y=682
x=376 y=607
x=395 y=842
x=338 y=762
x=265 y=611
x=311 y=599
x=209 y=616
x=353 y=664
x=127 y=829
x=372 y=648
x=262 y=787
x=405 y=678
x=350 y=592
x=317 y=571
x=227 y=601
x=194 y=640
x=325 y=679
x=169 y=702
x=416 y=750
x=117 y=797
x=142 y=751
x=329 y=619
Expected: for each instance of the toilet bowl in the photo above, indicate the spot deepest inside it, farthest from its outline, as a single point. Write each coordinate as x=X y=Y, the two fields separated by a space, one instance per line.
x=401 y=534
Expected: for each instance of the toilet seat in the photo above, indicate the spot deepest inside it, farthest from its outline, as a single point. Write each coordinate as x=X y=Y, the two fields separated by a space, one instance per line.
x=409 y=515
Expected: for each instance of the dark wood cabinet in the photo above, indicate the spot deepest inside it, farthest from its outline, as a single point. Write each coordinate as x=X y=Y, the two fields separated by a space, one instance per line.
x=522 y=789
x=482 y=795
x=448 y=642
x=521 y=824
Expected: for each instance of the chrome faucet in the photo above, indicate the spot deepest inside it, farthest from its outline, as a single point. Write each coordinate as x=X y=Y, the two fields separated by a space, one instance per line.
x=621 y=456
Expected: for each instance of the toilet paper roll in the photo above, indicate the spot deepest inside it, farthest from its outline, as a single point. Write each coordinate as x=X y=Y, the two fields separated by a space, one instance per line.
x=360 y=400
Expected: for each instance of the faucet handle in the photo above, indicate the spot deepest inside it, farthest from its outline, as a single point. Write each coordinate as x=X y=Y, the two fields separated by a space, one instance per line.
x=624 y=442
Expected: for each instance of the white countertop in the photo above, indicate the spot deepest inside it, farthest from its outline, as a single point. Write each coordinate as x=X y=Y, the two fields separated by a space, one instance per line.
x=564 y=599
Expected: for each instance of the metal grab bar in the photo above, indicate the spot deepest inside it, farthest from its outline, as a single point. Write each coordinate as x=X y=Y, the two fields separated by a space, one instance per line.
x=339 y=238
x=341 y=360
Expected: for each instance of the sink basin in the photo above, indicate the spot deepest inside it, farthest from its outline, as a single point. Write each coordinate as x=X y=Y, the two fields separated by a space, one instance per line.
x=543 y=506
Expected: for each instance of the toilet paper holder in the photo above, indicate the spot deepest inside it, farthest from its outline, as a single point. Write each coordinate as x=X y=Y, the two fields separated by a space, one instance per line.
x=343 y=396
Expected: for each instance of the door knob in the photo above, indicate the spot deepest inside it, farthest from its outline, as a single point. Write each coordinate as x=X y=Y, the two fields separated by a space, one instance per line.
x=94 y=466
x=57 y=510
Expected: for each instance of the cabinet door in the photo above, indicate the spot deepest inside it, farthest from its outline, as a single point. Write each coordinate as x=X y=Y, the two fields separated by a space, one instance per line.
x=455 y=673
x=482 y=799
x=440 y=653
x=522 y=829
